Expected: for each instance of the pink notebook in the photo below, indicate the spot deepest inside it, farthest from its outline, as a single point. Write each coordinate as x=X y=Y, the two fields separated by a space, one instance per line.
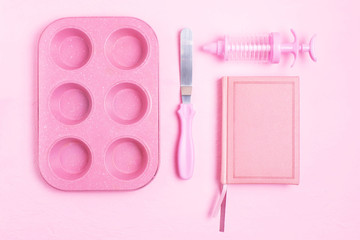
x=260 y=131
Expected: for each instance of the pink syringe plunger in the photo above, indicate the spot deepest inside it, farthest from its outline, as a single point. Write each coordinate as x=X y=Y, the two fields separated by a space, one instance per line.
x=265 y=48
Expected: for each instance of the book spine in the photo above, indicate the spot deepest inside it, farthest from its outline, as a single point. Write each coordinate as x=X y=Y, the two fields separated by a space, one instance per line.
x=224 y=131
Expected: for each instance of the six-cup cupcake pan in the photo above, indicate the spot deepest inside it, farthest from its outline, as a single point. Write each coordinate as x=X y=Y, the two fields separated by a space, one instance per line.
x=98 y=103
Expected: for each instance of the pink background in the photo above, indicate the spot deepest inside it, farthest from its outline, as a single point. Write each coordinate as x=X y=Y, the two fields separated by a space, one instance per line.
x=324 y=206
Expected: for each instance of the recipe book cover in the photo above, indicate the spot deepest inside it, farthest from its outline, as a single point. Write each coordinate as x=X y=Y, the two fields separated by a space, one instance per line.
x=260 y=130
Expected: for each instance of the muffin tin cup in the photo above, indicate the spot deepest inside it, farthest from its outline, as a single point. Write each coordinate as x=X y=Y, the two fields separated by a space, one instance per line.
x=126 y=48
x=127 y=158
x=70 y=158
x=127 y=103
x=98 y=103
x=71 y=48
x=70 y=103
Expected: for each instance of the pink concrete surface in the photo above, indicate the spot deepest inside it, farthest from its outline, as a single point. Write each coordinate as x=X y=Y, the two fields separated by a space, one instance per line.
x=324 y=206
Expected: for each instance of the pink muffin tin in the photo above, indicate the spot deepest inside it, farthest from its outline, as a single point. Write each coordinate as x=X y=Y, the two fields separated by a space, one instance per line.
x=98 y=82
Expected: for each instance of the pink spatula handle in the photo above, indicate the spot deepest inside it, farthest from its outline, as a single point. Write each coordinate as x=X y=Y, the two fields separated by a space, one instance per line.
x=186 y=145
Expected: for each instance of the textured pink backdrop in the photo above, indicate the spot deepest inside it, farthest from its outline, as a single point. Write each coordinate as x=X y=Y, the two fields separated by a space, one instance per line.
x=324 y=206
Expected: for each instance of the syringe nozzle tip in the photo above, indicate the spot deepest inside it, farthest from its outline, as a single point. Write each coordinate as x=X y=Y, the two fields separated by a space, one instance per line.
x=210 y=48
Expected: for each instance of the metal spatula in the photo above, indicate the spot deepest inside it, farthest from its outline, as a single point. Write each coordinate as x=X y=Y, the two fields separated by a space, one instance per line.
x=186 y=111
